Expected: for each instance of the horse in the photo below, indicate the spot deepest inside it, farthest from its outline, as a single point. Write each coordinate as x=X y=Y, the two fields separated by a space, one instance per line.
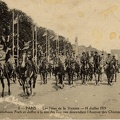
x=50 y=69
x=27 y=74
x=98 y=69
x=12 y=71
x=55 y=71
x=77 y=69
x=61 y=73
x=115 y=63
x=84 y=72
x=70 y=68
x=43 y=68
x=5 y=72
x=110 y=70
x=91 y=71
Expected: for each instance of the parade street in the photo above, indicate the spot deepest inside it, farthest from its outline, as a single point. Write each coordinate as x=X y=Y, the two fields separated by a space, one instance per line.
x=72 y=97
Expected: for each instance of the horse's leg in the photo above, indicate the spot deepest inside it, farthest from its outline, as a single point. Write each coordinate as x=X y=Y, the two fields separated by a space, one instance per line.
x=3 y=86
x=99 y=75
x=95 y=79
x=27 y=91
x=14 y=77
x=112 y=77
x=69 y=78
x=91 y=75
x=23 y=85
x=30 y=82
x=50 y=72
x=115 y=77
x=34 y=80
x=77 y=75
x=8 y=82
x=56 y=79
x=46 y=77
x=83 y=77
x=72 y=78
x=19 y=80
x=86 y=79
x=60 y=79
x=43 y=76
x=108 y=79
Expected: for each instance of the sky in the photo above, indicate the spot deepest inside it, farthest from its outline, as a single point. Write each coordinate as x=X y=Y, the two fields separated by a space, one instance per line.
x=93 y=22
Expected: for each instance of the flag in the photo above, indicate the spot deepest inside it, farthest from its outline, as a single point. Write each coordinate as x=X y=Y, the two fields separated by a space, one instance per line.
x=15 y=21
x=35 y=28
x=26 y=45
x=45 y=33
x=51 y=37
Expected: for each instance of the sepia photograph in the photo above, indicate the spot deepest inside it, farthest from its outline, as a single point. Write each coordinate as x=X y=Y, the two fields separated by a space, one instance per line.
x=59 y=59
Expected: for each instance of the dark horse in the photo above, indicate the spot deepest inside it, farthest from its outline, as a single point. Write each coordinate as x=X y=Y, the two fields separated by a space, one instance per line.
x=5 y=72
x=27 y=73
x=85 y=72
x=55 y=71
x=77 y=69
x=70 y=69
x=110 y=70
x=98 y=70
x=43 y=69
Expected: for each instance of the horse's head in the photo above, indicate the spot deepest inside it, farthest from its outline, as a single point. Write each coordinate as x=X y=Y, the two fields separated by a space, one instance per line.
x=23 y=59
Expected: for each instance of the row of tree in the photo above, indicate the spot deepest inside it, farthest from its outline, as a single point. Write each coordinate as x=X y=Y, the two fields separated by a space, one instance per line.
x=25 y=30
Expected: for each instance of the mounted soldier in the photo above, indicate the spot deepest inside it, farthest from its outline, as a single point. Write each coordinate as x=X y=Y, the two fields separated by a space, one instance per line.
x=44 y=69
x=77 y=66
x=83 y=58
x=97 y=68
x=5 y=72
x=115 y=65
x=108 y=59
x=84 y=68
x=91 y=65
x=96 y=61
x=31 y=59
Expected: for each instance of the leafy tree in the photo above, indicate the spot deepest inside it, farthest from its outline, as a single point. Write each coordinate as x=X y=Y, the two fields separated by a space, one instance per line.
x=26 y=29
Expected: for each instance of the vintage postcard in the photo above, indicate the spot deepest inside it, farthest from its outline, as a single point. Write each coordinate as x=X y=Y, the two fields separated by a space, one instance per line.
x=59 y=59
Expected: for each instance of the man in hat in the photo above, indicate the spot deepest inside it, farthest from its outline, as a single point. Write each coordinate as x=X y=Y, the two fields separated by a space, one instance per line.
x=83 y=57
x=114 y=61
x=78 y=59
x=91 y=58
x=96 y=60
x=108 y=59
x=31 y=61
